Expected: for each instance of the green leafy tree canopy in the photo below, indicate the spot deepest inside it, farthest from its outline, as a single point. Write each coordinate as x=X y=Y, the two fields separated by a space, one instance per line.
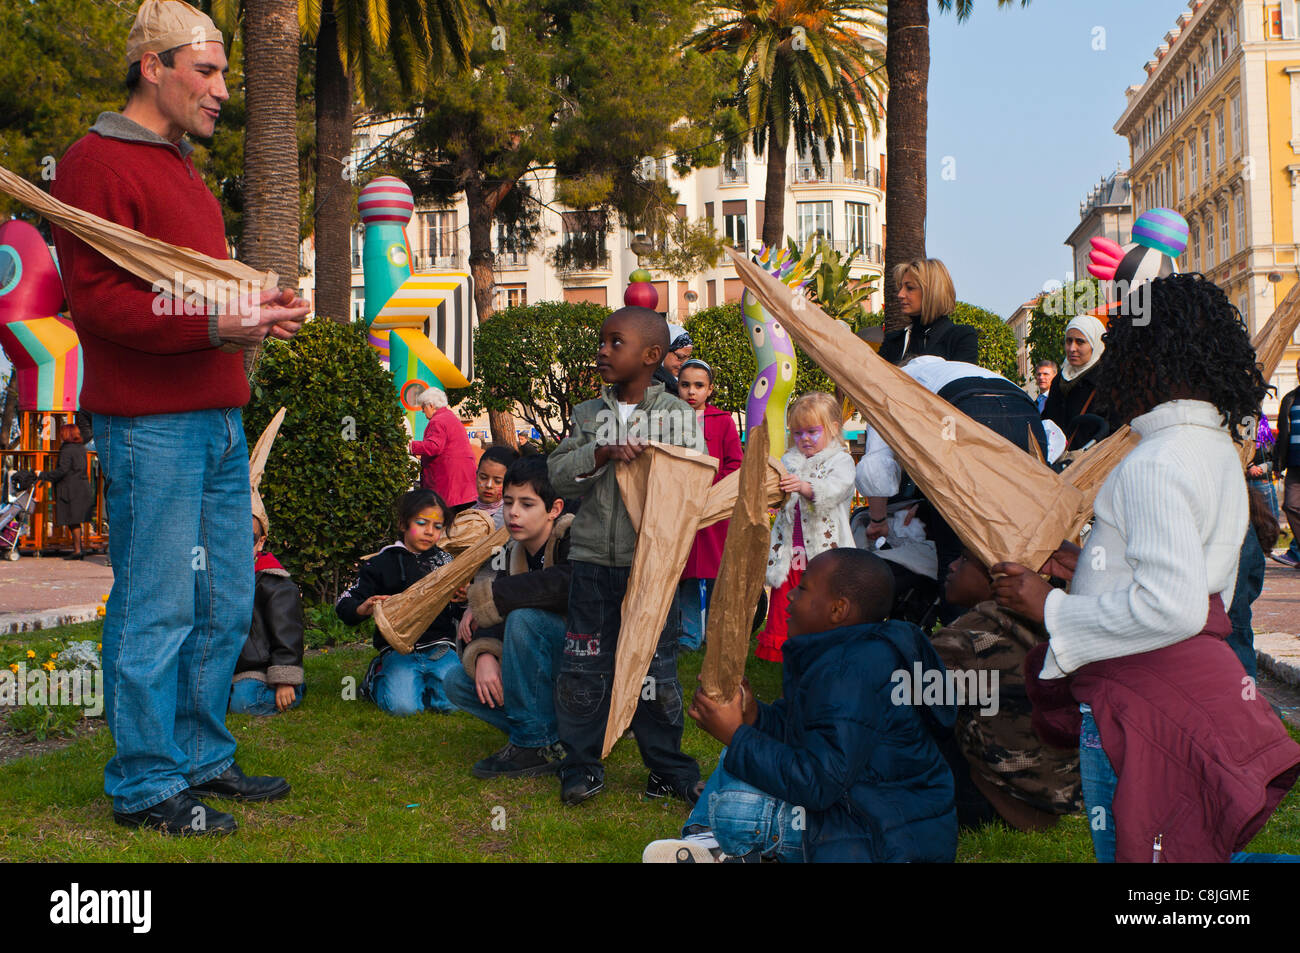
x=1046 y=337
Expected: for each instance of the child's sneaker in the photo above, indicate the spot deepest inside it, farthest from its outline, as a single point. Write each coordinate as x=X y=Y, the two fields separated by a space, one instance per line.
x=513 y=761
x=1286 y=559
x=701 y=848
x=580 y=786
x=657 y=787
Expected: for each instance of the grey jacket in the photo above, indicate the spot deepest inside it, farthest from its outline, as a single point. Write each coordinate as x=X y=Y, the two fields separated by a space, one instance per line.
x=602 y=532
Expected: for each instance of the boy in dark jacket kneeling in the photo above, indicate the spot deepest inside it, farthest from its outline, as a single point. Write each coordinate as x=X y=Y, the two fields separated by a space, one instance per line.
x=268 y=676
x=843 y=766
x=514 y=629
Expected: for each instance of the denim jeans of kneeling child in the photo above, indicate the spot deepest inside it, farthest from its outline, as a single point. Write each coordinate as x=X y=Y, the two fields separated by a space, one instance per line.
x=745 y=819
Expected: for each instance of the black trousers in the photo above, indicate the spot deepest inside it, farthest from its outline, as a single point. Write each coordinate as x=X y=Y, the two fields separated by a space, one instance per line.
x=586 y=676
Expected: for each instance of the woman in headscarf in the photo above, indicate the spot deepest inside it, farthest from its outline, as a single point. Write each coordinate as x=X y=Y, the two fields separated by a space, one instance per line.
x=680 y=348
x=1073 y=393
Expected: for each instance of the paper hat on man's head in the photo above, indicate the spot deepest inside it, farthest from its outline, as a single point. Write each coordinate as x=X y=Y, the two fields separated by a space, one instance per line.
x=1159 y=236
x=162 y=25
x=257 y=466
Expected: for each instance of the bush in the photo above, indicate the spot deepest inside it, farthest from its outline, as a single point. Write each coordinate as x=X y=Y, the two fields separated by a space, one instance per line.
x=341 y=458
x=538 y=361
x=719 y=337
x=997 y=347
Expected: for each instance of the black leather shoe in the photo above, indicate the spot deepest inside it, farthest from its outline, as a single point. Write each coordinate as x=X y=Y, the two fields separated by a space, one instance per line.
x=181 y=815
x=579 y=787
x=234 y=783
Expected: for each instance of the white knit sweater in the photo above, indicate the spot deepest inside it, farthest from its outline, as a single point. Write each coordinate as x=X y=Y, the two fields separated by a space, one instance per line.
x=1169 y=524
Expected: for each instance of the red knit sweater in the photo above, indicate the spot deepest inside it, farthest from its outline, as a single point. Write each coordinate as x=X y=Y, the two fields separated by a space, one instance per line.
x=138 y=362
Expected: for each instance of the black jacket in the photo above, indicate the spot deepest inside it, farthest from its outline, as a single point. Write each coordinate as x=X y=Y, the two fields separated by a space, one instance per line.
x=1283 y=432
x=494 y=596
x=392 y=570
x=663 y=376
x=940 y=338
x=273 y=651
x=73 y=494
x=1066 y=400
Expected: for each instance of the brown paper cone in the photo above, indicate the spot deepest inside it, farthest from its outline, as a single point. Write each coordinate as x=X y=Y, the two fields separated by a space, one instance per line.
x=722 y=495
x=403 y=618
x=1003 y=503
x=675 y=485
x=467 y=528
x=740 y=576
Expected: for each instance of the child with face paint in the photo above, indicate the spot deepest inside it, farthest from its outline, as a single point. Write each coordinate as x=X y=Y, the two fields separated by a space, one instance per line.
x=690 y=608
x=815 y=517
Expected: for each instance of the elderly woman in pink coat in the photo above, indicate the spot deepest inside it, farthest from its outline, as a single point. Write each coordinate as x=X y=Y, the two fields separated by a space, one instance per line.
x=446 y=459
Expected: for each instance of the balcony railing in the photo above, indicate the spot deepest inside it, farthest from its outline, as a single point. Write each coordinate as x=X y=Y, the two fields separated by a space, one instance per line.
x=425 y=261
x=870 y=254
x=511 y=261
x=734 y=174
x=580 y=256
x=834 y=173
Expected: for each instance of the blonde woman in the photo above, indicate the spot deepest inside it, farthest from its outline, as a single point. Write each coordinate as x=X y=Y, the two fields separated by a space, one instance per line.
x=926 y=294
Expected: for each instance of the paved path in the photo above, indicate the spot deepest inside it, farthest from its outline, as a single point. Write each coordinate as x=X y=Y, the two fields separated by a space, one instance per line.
x=42 y=592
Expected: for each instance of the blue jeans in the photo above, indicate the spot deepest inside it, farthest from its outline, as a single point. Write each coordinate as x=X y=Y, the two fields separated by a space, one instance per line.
x=409 y=684
x=1099 y=783
x=181 y=542
x=251 y=697
x=689 y=612
x=533 y=641
x=745 y=819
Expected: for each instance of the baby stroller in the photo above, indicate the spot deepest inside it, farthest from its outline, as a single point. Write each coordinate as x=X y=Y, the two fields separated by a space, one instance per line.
x=15 y=517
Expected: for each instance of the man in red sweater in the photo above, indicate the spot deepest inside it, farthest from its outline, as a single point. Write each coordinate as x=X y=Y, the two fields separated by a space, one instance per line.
x=166 y=404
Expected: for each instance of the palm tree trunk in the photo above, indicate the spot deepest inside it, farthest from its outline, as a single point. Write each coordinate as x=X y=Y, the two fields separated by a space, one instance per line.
x=271 y=218
x=335 y=195
x=483 y=201
x=774 y=193
x=907 y=63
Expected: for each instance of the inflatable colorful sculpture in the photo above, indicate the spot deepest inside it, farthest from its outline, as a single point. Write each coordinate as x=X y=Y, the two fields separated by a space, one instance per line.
x=773 y=351
x=415 y=321
x=39 y=342
x=1159 y=236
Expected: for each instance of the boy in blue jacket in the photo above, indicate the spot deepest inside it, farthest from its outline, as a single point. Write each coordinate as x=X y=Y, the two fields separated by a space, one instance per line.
x=843 y=766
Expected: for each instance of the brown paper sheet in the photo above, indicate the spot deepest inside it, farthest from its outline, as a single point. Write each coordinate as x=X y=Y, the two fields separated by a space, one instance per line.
x=669 y=488
x=722 y=495
x=467 y=528
x=403 y=618
x=262 y=449
x=740 y=576
x=1001 y=502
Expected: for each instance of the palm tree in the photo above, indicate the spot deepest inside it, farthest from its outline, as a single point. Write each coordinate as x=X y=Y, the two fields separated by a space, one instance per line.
x=907 y=63
x=270 y=234
x=809 y=70
x=423 y=37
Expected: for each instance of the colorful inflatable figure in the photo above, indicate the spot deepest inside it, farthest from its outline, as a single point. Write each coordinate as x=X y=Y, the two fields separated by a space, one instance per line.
x=415 y=321
x=773 y=351
x=40 y=343
x=1159 y=236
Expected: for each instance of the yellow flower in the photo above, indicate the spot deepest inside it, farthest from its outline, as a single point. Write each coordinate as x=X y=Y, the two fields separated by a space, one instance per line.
x=325 y=651
x=99 y=646
x=14 y=668
x=31 y=654
x=54 y=655
x=48 y=666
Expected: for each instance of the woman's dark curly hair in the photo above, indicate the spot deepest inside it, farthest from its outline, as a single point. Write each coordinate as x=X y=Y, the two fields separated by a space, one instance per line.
x=1182 y=338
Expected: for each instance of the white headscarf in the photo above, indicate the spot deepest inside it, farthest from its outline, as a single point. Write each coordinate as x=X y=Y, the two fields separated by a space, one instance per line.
x=1092 y=330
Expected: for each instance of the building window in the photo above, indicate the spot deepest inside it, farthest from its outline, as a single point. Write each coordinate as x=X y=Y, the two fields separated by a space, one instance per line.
x=1218 y=138
x=1193 y=249
x=1205 y=141
x=1223 y=231
x=1196 y=80
x=584 y=242
x=734 y=171
x=440 y=239
x=735 y=223
x=511 y=296
x=1236 y=125
x=358 y=247
x=856 y=157
x=1191 y=163
x=1209 y=242
x=358 y=304
x=1243 y=305
x=1178 y=176
x=1240 y=202
x=812 y=218
x=858 y=225
x=1232 y=29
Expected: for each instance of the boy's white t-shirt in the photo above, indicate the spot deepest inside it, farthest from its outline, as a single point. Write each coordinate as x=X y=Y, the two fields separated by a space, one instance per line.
x=626 y=410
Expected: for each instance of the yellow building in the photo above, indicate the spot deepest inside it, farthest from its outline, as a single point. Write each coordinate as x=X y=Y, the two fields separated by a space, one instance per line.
x=1214 y=132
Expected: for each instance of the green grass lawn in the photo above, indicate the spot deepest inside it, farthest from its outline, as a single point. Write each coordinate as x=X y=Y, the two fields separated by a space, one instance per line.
x=367 y=786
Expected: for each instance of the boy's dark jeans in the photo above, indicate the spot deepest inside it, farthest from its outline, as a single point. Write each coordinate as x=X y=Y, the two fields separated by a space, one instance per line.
x=582 y=690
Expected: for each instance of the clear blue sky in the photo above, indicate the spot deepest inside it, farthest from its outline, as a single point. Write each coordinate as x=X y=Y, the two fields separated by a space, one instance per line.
x=1025 y=107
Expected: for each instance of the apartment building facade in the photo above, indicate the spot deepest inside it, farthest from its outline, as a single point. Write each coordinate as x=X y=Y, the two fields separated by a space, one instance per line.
x=576 y=258
x=1214 y=132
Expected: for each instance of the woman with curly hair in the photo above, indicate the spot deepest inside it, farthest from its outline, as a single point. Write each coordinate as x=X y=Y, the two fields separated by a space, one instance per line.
x=1181 y=759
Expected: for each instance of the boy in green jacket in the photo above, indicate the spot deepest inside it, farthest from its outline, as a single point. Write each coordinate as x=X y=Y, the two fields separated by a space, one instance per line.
x=613 y=428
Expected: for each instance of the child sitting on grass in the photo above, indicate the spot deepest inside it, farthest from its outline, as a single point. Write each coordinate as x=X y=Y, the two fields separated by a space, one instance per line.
x=406 y=684
x=632 y=345
x=268 y=676
x=815 y=516
x=836 y=769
